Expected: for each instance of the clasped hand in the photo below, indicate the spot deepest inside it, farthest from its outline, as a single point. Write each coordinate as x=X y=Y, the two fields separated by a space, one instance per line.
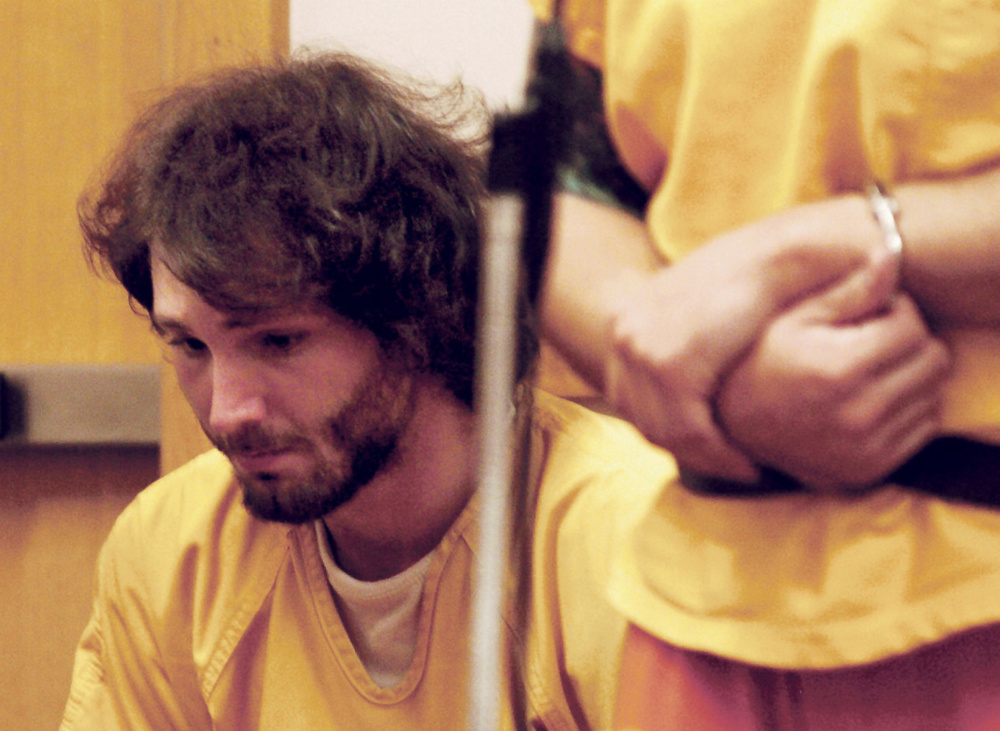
x=785 y=344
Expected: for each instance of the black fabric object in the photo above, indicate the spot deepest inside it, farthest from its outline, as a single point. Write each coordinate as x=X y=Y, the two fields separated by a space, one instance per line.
x=952 y=468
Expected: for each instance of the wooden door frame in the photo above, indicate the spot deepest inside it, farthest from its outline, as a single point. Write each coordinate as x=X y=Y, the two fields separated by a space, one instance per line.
x=200 y=35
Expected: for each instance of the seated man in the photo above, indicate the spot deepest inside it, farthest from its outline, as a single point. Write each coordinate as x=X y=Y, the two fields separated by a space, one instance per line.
x=304 y=238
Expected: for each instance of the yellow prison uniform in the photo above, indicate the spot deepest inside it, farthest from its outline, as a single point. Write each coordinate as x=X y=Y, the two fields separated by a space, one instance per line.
x=727 y=112
x=206 y=618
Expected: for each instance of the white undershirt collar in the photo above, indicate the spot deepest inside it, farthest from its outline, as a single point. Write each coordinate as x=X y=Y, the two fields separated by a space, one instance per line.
x=381 y=617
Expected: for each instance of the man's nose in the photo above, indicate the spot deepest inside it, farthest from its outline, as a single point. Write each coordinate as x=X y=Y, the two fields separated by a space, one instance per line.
x=237 y=396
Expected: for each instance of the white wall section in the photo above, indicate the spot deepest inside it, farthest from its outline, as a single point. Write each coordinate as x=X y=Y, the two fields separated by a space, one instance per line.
x=485 y=43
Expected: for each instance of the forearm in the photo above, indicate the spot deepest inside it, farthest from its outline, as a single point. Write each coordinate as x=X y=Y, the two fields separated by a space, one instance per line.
x=595 y=252
x=600 y=254
x=877 y=414
x=951 y=258
x=656 y=340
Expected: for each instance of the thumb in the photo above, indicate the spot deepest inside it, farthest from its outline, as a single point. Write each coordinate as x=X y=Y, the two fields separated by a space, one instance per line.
x=859 y=295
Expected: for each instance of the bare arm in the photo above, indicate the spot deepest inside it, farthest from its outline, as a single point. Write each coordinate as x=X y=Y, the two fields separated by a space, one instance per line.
x=836 y=394
x=838 y=398
x=951 y=263
x=657 y=339
x=596 y=252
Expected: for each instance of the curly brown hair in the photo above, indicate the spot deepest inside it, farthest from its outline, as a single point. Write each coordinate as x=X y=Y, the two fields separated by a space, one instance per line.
x=319 y=178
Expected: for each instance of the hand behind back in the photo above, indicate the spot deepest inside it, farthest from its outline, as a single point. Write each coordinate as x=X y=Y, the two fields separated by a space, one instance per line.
x=676 y=332
x=840 y=390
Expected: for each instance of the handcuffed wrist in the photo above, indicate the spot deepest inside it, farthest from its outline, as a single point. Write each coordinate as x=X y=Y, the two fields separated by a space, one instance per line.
x=885 y=210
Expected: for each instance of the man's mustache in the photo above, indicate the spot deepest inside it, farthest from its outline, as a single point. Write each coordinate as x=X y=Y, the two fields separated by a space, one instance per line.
x=253 y=438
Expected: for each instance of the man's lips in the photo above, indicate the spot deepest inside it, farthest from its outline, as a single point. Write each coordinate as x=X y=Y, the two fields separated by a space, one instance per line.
x=272 y=460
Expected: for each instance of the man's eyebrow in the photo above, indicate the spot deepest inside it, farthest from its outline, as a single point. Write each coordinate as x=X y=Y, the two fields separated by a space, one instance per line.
x=162 y=324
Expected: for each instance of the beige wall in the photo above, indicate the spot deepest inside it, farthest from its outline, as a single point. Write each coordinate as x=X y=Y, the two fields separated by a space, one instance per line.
x=485 y=42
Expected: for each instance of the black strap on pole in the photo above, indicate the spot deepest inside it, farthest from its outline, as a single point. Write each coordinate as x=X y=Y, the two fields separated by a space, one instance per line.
x=528 y=145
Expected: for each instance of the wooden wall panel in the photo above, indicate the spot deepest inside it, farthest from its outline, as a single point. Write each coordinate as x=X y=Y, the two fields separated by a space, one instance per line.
x=75 y=73
x=72 y=75
x=63 y=67
x=56 y=508
x=203 y=34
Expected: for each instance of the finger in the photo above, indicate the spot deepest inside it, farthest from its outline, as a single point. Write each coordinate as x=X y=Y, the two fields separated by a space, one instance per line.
x=915 y=393
x=910 y=431
x=635 y=397
x=860 y=295
x=884 y=395
x=907 y=350
x=698 y=444
x=891 y=339
x=896 y=416
x=881 y=424
x=712 y=454
x=682 y=425
x=886 y=451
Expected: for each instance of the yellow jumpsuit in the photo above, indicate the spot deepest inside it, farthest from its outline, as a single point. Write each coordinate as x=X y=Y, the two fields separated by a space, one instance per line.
x=206 y=618
x=727 y=112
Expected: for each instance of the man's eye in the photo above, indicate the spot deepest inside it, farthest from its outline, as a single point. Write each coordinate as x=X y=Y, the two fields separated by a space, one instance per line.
x=188 y=346
x=280 y=341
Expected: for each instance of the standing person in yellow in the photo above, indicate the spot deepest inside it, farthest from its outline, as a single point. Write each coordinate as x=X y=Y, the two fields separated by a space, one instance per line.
x=809 y=300
x=305 y=237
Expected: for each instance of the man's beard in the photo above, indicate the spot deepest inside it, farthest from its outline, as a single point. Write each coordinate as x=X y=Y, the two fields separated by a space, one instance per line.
x=363 y=435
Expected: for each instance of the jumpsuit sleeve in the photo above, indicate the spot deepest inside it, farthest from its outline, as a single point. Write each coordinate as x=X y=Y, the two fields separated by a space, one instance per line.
x=120 y=680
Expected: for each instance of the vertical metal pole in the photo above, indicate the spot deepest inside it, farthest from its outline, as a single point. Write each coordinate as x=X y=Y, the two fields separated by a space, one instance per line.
x=497 y=352
x=522 y=173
